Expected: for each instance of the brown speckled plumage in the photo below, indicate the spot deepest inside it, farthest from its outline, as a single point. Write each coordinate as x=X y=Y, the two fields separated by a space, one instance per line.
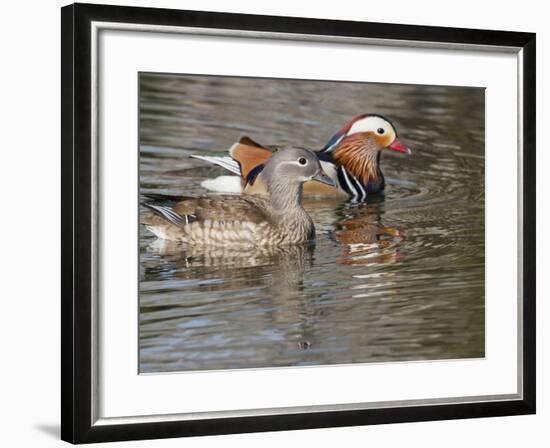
x=244 y=221
x=232 y=221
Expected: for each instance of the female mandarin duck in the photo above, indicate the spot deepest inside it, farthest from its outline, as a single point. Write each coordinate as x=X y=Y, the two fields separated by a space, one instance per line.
x=245 y=221
x=351 y=158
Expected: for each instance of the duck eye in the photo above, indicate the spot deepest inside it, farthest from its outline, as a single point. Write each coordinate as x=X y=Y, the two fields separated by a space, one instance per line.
x=380 y=131
x=302 y=161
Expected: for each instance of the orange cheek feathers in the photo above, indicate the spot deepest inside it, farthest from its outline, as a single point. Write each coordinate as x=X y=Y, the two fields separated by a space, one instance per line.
x=385 y=140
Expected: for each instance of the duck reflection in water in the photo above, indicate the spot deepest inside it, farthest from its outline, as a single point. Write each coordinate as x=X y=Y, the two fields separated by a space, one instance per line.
x=281 y=266
x=365 y=240
x=356 y=227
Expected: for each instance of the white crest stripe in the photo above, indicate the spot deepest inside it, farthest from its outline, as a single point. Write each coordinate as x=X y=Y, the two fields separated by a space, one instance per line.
x=331 y=147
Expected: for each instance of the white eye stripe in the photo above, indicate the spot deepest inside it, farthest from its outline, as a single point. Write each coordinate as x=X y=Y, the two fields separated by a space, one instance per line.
x=295 y=162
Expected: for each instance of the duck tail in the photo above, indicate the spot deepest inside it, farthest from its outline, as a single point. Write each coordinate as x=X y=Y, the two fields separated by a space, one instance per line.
x=224 y=161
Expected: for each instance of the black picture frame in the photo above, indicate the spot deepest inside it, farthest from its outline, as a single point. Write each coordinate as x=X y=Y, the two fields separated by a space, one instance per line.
x=77 y=424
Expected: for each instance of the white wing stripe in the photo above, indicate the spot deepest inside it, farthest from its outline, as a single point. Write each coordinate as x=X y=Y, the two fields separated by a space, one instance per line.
x=350 y=184
x=363 y=192
x=169 y=214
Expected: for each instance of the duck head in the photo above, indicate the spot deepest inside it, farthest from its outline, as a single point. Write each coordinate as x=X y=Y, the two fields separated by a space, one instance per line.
x=287 y=170
x=294 y=166
x=357 y=146
x=374 y=131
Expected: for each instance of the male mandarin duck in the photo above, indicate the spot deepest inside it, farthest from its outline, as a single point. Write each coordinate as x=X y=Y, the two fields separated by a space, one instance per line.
x=244 y=221
x=351 y=158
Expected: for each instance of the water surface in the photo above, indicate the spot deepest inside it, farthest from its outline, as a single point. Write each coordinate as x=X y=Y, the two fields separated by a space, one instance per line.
x=398 y=278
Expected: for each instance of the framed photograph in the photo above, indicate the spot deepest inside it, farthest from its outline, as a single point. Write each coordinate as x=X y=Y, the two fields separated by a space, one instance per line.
x=274 y=223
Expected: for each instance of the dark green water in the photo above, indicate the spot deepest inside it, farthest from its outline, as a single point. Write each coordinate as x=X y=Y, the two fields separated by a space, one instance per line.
x=395 y=279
